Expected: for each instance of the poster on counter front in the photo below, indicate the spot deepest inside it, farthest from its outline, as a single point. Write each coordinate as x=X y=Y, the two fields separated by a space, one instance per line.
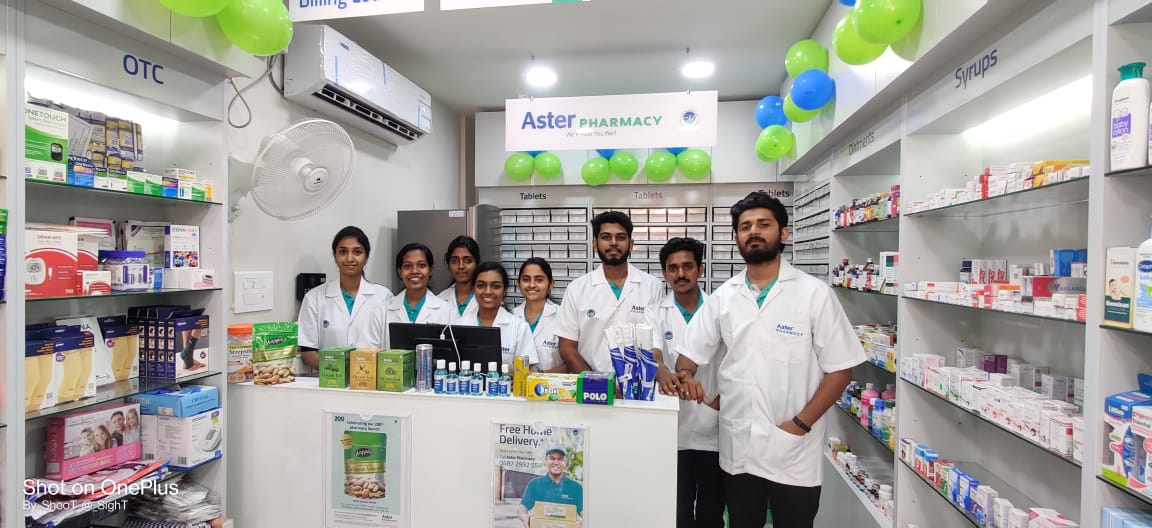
x=540 y=473
x=366 y=470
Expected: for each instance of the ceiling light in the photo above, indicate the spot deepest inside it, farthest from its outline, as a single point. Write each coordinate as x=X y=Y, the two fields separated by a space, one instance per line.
x=698 y=69
x=540 y=76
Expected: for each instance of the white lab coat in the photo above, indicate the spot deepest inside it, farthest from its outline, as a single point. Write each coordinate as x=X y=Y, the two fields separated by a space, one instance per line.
x=515 y=335
x=449 y=296
x=589 y=307
x=434 y=311
x=547 y=344
x=699 y=424
x=324 y=320
x=776 y=357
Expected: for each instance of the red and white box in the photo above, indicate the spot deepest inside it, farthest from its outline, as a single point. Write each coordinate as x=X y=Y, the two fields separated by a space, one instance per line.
x=49 y=263
x=83 y=442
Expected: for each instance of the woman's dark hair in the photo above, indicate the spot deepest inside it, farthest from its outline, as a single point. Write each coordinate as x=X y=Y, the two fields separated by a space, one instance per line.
x=465 y=242
x=490 y=266
x=759 y=200
x=611 y=217
x=682 y=244
x=415 y=246
x=352 y=232
x=544 y=266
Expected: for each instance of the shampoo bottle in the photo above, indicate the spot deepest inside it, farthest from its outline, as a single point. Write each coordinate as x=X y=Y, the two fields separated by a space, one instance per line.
x=1130 y=107
x=1142 y=305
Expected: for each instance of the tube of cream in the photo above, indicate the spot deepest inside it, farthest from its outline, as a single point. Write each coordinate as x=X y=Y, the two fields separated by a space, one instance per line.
x=648 y=364
x=615 y=351
x=633 y=361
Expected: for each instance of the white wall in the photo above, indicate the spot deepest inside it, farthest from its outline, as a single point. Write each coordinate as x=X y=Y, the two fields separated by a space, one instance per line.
x=424 y=175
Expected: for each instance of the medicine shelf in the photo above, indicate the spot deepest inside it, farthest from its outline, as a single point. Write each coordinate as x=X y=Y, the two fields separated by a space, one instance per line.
x=795 y=221
x=45 y=189
x=880 y=368
x=1126 y=490
x=541 y=242
x=883 y=225
x=543 y=224
x=808 y=239
x=856 y=423
x=1051 y=195
x=1021 y=314
x=1137 y=172
x=1126 y=330
x=1024 y=439
x=808 y=262
x=120 y=294
x=670 y=224
x=873 y=510
x=854 y=290
x=1018 y=500
x=119 y=390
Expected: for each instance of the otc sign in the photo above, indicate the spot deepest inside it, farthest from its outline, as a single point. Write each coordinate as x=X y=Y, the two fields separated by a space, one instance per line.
x=676 y=119
x=305 y=10
x=449 y=5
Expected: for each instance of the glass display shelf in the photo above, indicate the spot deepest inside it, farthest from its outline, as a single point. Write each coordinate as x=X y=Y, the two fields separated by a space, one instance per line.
x=1019 y=500
x=883 y=225
x=856 y=424
x=120 y=294
x=989 y=310
x=119 y=390
x=1052 y=195
x=1125 y=489
x=41 y=188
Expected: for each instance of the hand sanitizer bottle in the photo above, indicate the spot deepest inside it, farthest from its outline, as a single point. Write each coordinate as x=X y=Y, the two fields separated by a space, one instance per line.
x=451 y=381
x=505 y=382
x=438 y=377
x=477 y=385
x=493 y=380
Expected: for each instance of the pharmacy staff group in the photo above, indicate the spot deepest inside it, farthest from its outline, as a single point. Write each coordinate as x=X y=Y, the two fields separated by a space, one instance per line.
x=756 y=364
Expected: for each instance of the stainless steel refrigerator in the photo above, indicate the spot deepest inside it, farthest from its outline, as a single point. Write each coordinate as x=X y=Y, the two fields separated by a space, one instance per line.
x=437 y=228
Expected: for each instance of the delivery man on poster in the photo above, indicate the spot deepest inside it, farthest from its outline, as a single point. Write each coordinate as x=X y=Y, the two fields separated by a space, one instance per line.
x=551 y=487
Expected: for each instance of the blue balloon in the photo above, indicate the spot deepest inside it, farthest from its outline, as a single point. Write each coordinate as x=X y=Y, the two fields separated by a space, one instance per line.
x=812 y=89
x=770 y=111
x=535 y=153
x=849 y=3
x=606 y=153
x=676 y=150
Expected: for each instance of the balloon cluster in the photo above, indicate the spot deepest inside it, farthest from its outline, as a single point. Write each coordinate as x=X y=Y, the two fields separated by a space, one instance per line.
x=259 y=27
x=694 y=164
x=869 y=27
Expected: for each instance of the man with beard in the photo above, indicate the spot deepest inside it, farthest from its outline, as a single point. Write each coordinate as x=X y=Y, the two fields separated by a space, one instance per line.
x=699 y=485
x=614 y=293
x=788 y=349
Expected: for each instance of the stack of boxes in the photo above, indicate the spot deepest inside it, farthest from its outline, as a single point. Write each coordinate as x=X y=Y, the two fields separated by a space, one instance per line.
x=58 y=365
x=174 y=340
x=1003 y=179
x=185 y=427
x=879 y=342
x=182 y=259
x=1127 y=431
x=1126 y=518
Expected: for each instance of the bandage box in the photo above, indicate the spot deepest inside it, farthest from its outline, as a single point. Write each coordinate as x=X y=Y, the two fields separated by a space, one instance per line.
x=50 y=263
x=552 y=387
x=124 y=342
x=72 y=354
x=184 y=350
x=598 y=388
x=189 y=442
x=395 y=370
x=45 y=144
x=362 y=369
x=181 y=246
x=39 y=374
x=83 y=442
x=183 y=403
x=101 y=372
x=334 y=367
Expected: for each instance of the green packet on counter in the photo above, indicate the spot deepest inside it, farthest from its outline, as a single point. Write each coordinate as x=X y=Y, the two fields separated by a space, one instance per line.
x=274 y=353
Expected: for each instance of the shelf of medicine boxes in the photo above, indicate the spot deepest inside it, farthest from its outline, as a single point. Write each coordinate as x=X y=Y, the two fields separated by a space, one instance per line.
x=989 y=310
x=552 y=216
x=985 y=477
x=121 y=294
x=1052 y=195
x=866 y=500
x=856 y=424
x=882 y=225
x=662 y=216
x=118 y=390
x=813 y=201
x=1033 y=443
x=1125 y=489
x=854 y=290
x=61 y=191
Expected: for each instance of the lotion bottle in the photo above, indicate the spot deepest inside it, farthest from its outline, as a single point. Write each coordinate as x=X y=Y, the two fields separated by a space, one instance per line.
x=1130 y=108
x=1142 y=305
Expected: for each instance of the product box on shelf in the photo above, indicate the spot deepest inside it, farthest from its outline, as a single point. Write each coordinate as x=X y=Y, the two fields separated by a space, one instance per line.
x=123 y=340
x=1118 y=462
x=189 y=442
x=185 y=347
x=149 y=238
x=39 y=374
x=45 y=144
x=395 y=370
x=181 y=403
x=274 y=352
x=74 y=376
x=334 y=367
x=1119 y=286
x=189 y=278
x=542 y=386
x=148 y=441
x=181 y=246
x=49 y=263
x=82 y=442
x=598 y=388
x=94 y=283
x=362 y=369
x=102 y=360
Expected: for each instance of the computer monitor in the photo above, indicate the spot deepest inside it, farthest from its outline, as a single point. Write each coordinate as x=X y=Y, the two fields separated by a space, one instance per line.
x=459 y=343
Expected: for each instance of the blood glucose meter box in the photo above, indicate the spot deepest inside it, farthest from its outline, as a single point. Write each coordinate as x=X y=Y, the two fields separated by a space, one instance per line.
x=45 y=144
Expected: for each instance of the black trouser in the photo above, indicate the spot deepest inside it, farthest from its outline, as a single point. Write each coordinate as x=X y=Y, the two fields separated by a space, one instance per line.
x=699 y=489
x=748 y=497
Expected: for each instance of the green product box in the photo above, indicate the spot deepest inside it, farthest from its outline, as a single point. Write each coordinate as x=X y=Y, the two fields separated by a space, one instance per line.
x=334 y=367
x=45 y=144
x=117 y=180
x=154 y=185
x=198 y=192
x=395 y=370
x=137 y=182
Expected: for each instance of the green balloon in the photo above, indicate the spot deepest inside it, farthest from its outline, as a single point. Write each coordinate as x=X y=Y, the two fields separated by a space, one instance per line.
x=548 y=165
x=195 y=8
x=805 y=55
x=694 y=163
x=596 y=171
x=624 y=165
x=519 y=167
x=260 y=27
x=796 y=114
x=886 y=21
x=850 y=47
x=660 y=165
x=774 y=142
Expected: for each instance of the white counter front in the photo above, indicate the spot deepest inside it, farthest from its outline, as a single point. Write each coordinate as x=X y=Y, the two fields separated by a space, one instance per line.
x=276 y=454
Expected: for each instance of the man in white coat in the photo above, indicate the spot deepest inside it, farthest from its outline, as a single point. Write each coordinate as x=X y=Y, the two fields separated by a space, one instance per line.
x=614 y=293
x=789 y=350
x=699 y=486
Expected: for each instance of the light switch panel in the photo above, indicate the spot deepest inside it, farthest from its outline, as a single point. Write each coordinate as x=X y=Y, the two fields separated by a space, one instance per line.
x=253 y=291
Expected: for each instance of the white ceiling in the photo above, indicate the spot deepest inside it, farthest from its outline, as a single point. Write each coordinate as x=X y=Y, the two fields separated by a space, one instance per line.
x=474 y=59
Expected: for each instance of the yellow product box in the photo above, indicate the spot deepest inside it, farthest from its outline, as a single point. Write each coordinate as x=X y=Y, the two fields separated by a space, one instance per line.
x=362 y=369
x=395 y=370
x=552 y=387
x=520 y=371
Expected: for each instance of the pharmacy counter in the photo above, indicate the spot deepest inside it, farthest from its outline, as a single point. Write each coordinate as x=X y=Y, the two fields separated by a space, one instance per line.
x=276 y=455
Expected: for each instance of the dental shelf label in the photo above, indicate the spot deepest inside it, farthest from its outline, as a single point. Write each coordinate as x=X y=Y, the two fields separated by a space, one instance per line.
x=366 y=470
x=307 y=10
x=544 y=465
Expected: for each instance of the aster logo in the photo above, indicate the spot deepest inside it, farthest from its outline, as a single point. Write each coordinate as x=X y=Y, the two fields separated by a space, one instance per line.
x=638 y=310
x=788 y=330
x=591 y=313
x=668 y=336
x=689 y=118
x=325 y=323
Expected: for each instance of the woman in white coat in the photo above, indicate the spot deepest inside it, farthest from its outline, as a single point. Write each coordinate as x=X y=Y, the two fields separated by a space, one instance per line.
x=535 y=283
x=462 y=256
x=336 y=314
x=490 y=283
x=415 y=304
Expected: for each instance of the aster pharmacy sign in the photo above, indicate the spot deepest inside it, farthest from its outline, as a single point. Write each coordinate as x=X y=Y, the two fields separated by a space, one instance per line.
x=679 y=119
